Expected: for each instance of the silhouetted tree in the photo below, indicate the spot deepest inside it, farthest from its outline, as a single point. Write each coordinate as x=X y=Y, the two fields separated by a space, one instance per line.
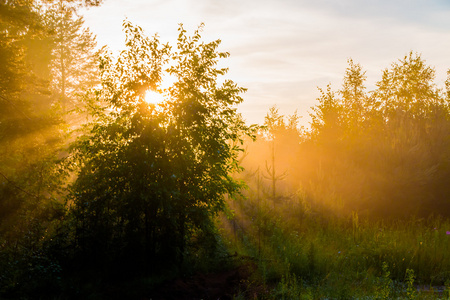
x=151 y=176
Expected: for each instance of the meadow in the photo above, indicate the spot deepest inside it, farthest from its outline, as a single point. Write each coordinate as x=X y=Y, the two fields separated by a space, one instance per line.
x=301 y=254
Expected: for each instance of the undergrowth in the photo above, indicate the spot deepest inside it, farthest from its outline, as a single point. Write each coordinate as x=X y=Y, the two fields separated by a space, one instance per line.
x=307 y=255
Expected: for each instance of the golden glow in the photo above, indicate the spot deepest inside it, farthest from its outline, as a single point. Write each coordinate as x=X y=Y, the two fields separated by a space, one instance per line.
x=153 y=97
x=157 y=96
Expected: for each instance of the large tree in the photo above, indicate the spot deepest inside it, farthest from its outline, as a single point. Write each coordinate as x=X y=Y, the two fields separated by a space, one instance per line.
x=151 y=175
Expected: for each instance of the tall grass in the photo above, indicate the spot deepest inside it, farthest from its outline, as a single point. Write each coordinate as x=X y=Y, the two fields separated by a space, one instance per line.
x=307 y=253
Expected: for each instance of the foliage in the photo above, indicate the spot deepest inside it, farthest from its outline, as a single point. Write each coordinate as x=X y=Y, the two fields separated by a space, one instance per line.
x=411 y=291
x=368 y=159
x=316 y=256
x=392 y=143
x=147 y=181
x=30 y=128
x=73 y=62
x=152 y=177
x=386 y=284
x=32 y=136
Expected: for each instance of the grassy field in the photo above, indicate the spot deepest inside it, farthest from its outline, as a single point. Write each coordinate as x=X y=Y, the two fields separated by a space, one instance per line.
x=301 y=253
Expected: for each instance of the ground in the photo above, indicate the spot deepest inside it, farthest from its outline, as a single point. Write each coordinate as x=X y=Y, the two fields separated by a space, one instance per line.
x=217 y=285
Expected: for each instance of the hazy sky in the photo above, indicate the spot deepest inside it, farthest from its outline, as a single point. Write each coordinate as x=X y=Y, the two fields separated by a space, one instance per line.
x=282 y=50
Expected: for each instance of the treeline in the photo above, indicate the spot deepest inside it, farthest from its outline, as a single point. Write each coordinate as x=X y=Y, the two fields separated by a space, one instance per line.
x=380 y=153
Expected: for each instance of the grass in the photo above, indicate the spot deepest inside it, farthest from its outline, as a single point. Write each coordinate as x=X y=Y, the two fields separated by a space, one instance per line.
x=307 y=255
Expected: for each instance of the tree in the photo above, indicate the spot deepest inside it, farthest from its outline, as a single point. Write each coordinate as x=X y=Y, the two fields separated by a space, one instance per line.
x=74 y=61
x=345 y=112
x=390 y=143
x=355 y=102
x=29 y=127
x=283 y=137
x=19 y=23
x=31 y=133
x=408 y=88
x=326 y=118
x=152 y=176
x=413 y=136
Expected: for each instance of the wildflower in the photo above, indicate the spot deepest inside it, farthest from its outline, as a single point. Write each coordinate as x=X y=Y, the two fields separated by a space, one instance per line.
x=448 y=233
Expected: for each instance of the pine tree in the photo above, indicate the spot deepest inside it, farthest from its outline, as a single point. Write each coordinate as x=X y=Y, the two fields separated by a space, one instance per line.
x=74 y=60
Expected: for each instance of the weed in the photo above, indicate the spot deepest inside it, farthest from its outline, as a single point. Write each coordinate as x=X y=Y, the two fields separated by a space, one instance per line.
x=411 y=291
x=384 y=290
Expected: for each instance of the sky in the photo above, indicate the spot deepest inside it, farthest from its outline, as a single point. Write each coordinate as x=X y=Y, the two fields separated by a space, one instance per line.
x=283 y=50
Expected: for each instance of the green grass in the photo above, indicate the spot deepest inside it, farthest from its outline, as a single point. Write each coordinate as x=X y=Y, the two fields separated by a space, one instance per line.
x=307 y=255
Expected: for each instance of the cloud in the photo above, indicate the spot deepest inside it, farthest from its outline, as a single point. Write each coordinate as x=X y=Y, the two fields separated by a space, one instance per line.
x=281 y=50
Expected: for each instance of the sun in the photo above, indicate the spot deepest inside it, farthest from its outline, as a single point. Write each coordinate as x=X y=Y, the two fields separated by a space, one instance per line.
x=159 y=94
x=153 y=97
